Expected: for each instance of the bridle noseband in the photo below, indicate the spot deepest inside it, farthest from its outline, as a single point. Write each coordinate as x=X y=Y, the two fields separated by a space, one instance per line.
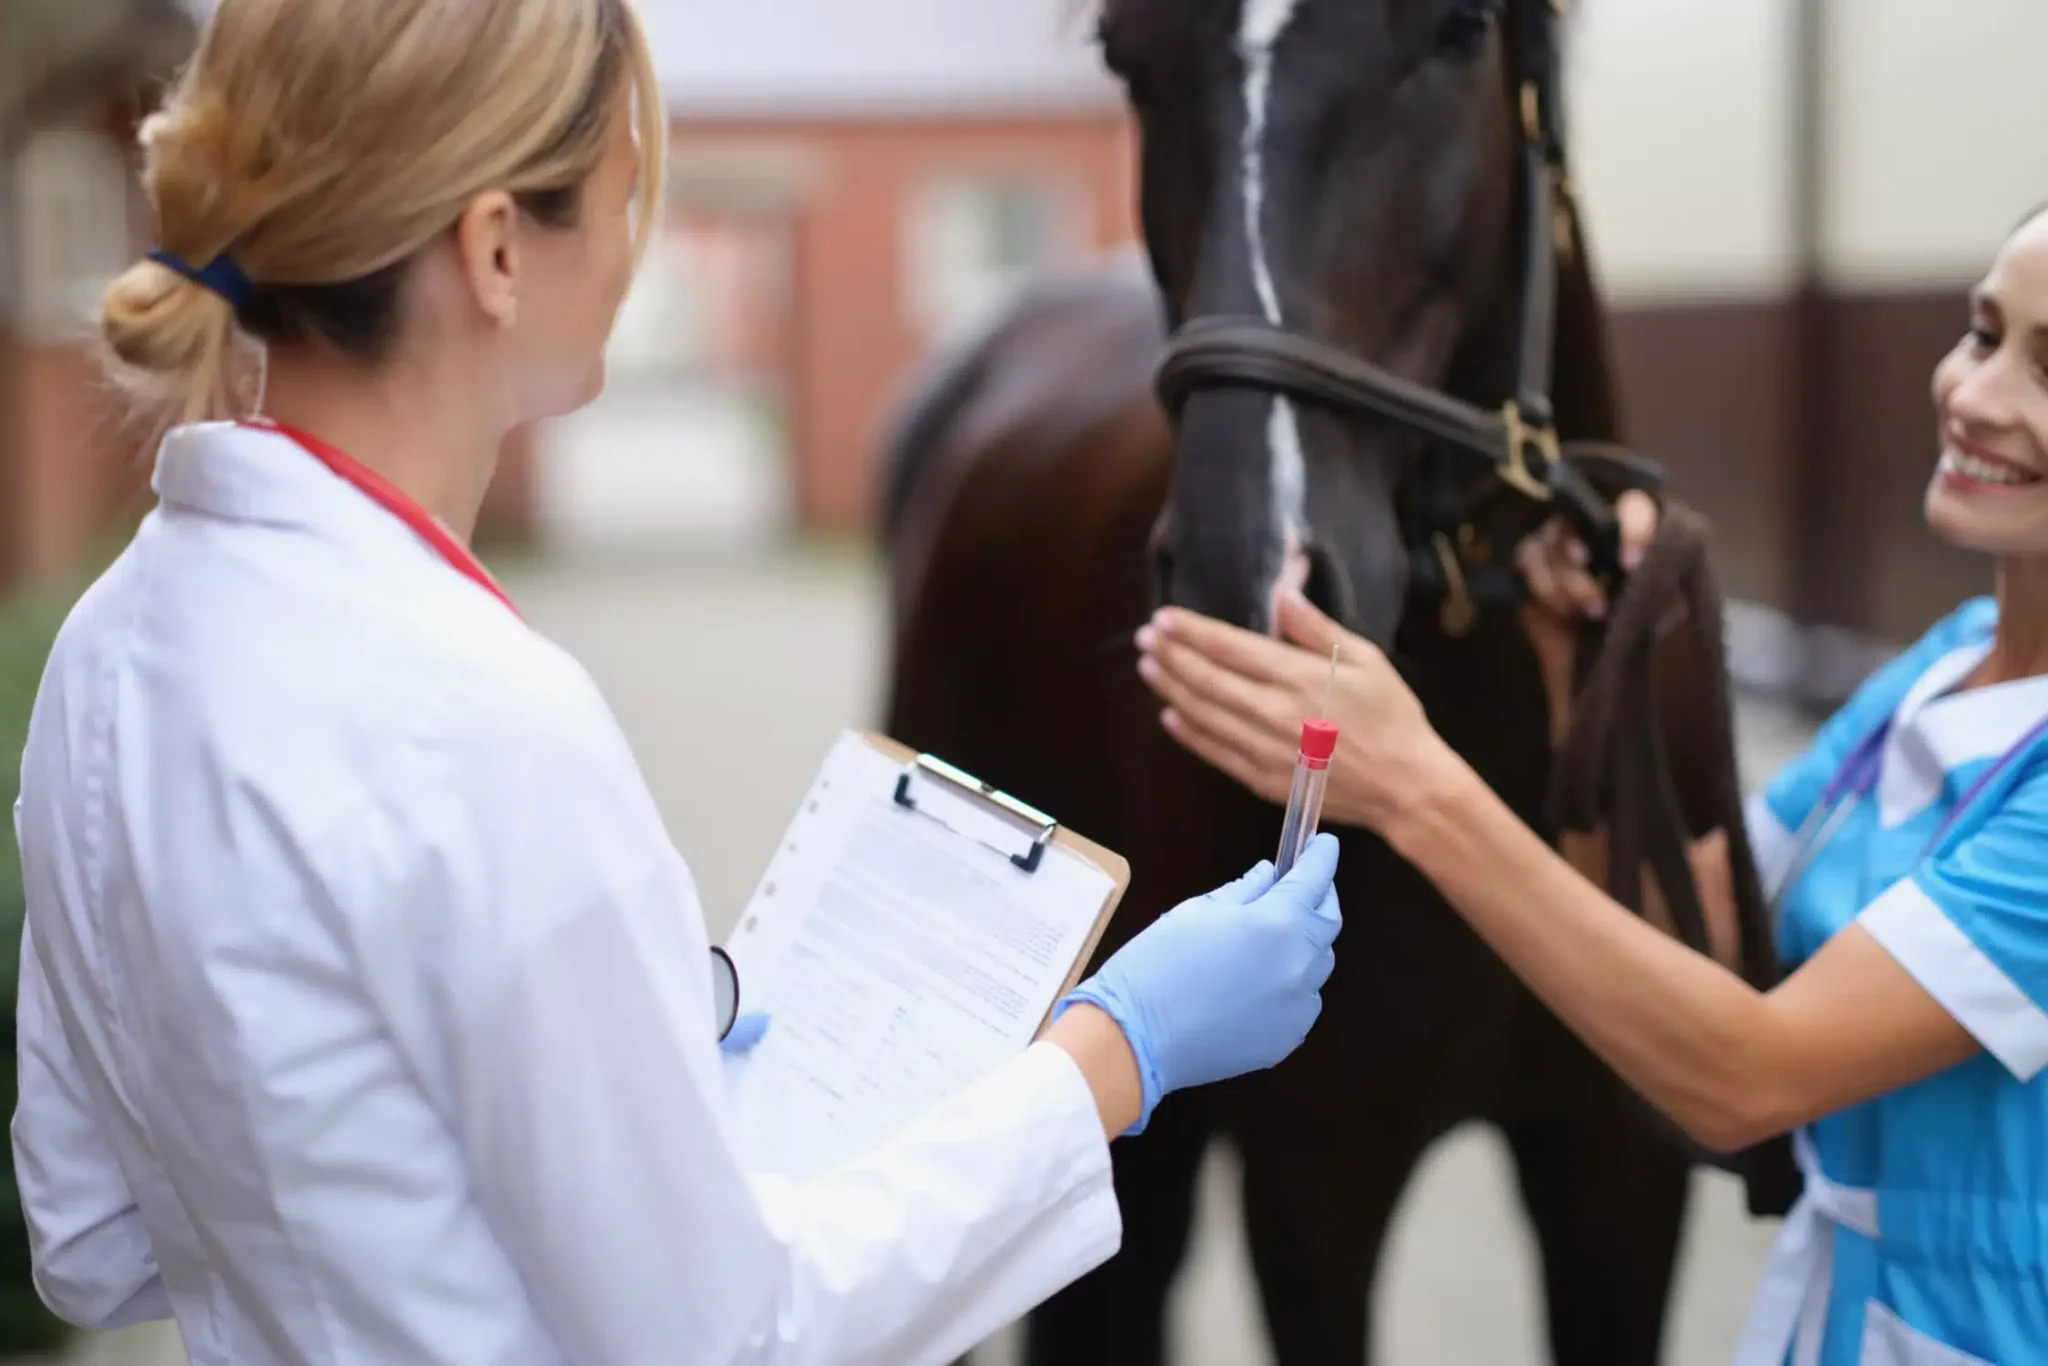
x=1519 y=441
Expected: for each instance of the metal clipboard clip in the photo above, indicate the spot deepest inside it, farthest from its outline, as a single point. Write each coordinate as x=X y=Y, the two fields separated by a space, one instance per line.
x=1041 y=826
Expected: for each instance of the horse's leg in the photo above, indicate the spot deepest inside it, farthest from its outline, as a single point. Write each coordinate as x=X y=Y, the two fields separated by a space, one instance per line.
x=1116 y=1315
x=1317 y=1204
x=1605 y=1184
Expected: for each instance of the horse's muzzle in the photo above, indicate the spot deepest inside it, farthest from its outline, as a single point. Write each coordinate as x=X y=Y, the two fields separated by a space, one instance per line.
x=1159 y=556
x=1329 y=586
x=1311 y=567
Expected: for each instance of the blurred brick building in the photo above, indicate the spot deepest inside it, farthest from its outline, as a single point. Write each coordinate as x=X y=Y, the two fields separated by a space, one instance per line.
x=74 y=78
x=851 y=184
x=873 y=239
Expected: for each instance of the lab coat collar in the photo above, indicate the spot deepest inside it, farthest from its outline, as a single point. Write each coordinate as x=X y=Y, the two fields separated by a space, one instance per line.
x=244 y=473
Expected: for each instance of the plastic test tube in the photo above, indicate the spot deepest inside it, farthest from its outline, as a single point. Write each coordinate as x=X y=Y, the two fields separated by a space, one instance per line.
x=1305 y=803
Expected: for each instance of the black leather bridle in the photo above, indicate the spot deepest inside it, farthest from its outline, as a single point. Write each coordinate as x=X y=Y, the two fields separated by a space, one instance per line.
x=1519 y=441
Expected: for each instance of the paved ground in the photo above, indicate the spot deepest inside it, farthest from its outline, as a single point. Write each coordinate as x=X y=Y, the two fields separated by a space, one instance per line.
x=731 y=679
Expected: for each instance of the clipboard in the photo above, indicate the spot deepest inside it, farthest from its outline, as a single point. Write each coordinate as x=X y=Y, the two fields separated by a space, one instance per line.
x=901 y=940
x=1043 y=832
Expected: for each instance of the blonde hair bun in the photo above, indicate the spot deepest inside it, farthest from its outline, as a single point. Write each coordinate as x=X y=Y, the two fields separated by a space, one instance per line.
x=324 y=144
x=171 y=337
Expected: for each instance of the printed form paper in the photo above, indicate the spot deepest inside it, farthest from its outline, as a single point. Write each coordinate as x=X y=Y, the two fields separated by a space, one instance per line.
x=900 y=960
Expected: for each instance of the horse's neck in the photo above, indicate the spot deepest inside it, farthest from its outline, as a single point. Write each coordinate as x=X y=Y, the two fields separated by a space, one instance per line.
x=1583 y=393
x=1583 y=399
x=1584 y=396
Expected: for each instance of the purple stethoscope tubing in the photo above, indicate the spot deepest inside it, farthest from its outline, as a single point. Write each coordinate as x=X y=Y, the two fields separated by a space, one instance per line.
x=1857 y=779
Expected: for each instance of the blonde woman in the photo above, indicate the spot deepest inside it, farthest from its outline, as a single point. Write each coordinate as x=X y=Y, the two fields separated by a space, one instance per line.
x=366 y=1010
x=1905 y=1050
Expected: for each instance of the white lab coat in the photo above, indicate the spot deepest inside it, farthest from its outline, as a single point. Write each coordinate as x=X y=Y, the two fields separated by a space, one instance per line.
x=365 y=1004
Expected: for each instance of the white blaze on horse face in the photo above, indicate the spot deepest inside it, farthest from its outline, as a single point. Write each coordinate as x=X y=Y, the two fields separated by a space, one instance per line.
x=1258 y=33
x=1259 y=28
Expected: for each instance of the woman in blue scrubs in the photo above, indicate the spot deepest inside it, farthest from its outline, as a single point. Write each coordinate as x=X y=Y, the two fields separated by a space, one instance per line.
x=1909 y=847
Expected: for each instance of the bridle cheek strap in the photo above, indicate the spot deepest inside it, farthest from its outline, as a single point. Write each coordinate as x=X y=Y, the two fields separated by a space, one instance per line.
x=1519 y=441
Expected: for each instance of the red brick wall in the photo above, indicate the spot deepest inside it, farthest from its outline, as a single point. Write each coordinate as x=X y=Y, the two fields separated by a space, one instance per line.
x=853 y=336
x=69 y=470
x=72 y=471
x=75 y=469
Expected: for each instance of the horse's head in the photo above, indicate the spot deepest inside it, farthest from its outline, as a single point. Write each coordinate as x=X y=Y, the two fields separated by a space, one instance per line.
x=1345 y=170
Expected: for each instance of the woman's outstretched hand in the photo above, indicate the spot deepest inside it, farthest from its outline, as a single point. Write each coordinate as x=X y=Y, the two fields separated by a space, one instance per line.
x=1237 y=699
x=1556 y=565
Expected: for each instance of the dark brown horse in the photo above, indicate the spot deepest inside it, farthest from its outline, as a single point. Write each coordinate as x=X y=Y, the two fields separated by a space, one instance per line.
x=1348 y=180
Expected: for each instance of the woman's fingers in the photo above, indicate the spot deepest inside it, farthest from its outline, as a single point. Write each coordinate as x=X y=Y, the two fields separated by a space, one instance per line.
x=1302 y=622
x=746 y=1031
x=1581 y=592
x=1248 y=729
x=1637 y=513
x=1555 y=565
x=1207 y=681
x=1257 y=657
x=1246 y=726
x=1535 y=558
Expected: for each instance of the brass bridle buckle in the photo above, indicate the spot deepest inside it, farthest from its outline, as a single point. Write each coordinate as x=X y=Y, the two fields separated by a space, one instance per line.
x=1515 y=471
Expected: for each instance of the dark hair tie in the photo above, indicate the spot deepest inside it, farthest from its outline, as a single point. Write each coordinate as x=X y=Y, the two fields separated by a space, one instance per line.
x=221 y=275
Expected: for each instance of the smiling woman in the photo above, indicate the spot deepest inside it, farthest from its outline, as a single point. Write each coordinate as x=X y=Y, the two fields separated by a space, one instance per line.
x=1992 y=393
x=1909 y=852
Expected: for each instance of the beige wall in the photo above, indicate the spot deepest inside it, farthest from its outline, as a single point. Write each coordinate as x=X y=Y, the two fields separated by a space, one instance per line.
x=1682 y=111
x=1803 y=432
x=1677 y=112
x=855 y=332
x=1938 y=140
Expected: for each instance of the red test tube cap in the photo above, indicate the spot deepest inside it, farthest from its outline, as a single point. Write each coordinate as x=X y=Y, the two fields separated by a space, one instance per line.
x=1318 y=739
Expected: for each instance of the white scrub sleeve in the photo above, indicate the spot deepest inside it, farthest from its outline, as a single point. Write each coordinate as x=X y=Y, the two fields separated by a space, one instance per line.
x=1971 y=922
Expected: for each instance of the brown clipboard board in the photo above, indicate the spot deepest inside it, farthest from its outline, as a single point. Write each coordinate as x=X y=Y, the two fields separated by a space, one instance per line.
x=1038 y=831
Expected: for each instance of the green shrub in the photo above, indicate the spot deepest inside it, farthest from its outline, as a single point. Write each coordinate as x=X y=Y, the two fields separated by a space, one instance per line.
x=28 y=626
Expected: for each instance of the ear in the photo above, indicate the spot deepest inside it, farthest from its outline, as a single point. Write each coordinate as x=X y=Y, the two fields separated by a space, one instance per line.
x=486 y=243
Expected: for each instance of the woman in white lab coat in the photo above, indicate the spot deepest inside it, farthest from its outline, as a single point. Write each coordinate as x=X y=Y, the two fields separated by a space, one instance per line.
x=366 y=1008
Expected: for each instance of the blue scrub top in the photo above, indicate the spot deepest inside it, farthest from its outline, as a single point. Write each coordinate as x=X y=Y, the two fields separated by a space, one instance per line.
x=1923 y=1238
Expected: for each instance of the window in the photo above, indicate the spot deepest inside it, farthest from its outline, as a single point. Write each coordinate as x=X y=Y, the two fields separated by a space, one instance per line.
x=659 y=333
x=72 y=201
x=717 y=274
x=976 y=238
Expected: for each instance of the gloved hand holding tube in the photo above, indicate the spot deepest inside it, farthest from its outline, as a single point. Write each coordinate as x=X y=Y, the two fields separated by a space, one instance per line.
x=1227 y=983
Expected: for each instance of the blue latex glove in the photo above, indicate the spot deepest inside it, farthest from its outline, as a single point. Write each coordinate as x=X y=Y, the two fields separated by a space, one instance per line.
x=1227 y=983
x=746 y=1031
x=738 y=1045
